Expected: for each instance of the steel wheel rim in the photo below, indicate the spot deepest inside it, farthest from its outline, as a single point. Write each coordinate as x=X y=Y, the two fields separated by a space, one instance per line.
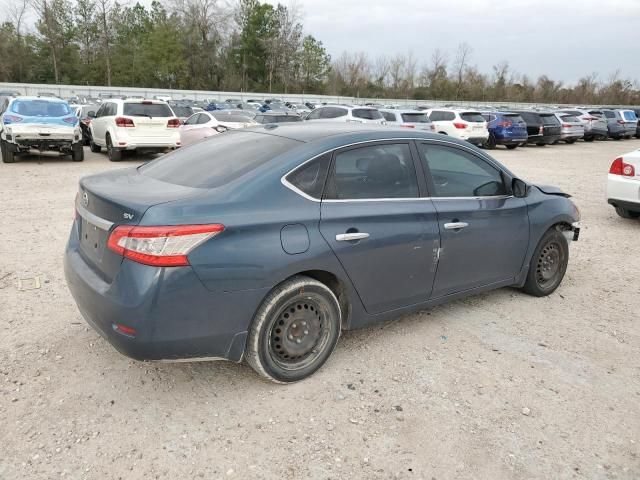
x=299 y=334
x=549 y=265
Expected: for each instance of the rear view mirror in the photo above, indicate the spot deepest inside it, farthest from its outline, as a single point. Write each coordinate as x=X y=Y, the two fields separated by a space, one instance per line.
x=519 y=188
x=91 y=114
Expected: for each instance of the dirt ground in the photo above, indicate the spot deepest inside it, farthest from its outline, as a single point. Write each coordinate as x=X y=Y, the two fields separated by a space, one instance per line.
x=498 y=386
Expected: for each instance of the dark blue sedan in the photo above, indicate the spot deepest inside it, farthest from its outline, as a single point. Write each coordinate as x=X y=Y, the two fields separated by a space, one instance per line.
x=263 y=244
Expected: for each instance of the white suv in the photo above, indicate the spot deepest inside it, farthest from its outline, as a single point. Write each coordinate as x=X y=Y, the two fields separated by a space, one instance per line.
x=142 y=125
x=623 y=185
x=346 y=113
x=463 y=124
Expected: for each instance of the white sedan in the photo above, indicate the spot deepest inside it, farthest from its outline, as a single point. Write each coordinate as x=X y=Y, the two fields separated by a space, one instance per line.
x=206 y=124
x=623 y=185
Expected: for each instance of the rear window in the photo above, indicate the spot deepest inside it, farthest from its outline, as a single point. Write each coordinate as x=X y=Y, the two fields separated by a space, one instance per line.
x=514 y=118
x=182 y=111
x=570 y=119
x=575 y=113
x=415 y=118
x=146 y=110
x=471 y=117
x=229 y=117
x=609 y=114
x=531 y=118
x=366 y=113
x=596 y=113
x=629 y=115
x=40 y=108
x=550 y=120
x=217 y=160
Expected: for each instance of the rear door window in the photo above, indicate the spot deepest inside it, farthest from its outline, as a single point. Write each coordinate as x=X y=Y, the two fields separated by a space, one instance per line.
x=415 y=118
x=230 y=117
x=609 y=114
x=146 y=109
x=458 y=173
x=218 y=160
x=374 y=171
x=388 y=116
x=333 y=112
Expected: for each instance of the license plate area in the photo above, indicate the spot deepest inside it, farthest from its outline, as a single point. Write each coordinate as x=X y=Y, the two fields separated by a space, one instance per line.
x=93 y=239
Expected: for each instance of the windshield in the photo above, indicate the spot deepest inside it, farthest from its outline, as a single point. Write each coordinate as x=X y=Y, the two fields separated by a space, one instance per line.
x=218 y=160
x=366 y=113
x=40 y=108
x=415 y=118
x=147 y=110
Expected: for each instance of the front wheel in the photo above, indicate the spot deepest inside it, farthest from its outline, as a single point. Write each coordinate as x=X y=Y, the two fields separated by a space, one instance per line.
x=77 y=154
x=94 y=147
x=512 y=146
x=548 y=264
x=8 y=155
x=625 y=213
x=294 y=331
x=113 y=153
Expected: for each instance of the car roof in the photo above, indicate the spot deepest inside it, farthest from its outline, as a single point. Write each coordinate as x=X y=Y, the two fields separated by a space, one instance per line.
x=401 y=110
x=311 y=132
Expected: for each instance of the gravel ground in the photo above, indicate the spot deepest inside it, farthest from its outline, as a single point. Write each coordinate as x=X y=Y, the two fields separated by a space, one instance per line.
x=500 y=385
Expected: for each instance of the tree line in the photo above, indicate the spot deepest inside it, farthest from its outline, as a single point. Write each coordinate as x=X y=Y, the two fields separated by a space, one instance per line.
x=250 y=46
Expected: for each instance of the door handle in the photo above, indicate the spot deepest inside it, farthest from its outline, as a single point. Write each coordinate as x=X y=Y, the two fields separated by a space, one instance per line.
x=455 y=225
x=345 y=237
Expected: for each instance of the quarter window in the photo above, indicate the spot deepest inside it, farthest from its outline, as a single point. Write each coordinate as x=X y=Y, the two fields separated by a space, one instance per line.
x=315 y=114
x=376 y=171
x=457 y=173
x=388 y=116
x=310 y=177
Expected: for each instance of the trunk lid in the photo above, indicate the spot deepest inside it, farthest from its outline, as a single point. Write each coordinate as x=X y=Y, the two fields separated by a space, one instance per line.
x=117 y=198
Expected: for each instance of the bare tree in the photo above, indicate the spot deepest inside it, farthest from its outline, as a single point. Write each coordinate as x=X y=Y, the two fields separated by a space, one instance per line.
x=16 y=12
x=380 y=71
x=462 y=59
x=104 y=8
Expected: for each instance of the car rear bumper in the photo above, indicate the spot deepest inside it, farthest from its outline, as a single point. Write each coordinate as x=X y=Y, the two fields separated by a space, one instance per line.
x=475 y=138
x=511 y=140
x=623 y=191
x=174 y=316
x=596 y=132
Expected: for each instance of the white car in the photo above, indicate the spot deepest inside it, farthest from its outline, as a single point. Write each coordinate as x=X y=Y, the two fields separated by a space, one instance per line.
x=466 y=125
x=147 y=126
x=233 y=119
x=408 y=119
x=623 y=185
x=39 y=124
x=198 y=126
x=346 y=113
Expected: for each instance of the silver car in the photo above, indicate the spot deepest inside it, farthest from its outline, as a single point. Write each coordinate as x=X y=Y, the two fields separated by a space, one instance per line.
x=593 y=121
x=571 y=128
x=346 y=113
x=408 y=119
x=630 y=122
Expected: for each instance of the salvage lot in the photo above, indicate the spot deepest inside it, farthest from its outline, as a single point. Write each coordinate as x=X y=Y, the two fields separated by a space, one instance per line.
x=500 y=385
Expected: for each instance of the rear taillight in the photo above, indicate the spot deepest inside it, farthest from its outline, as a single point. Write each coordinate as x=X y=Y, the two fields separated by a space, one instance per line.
x=406 y=125
x=590 y=119
x=7 y=119
x=505 y=124
x=460 y=125
x=173 y=123
x=566 y=125
x=124 y=122
x=619 y=167
x=621 y=122
x=166 y=246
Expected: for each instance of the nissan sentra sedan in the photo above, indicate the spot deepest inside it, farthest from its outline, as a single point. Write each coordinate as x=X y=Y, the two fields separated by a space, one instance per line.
x=264 y=244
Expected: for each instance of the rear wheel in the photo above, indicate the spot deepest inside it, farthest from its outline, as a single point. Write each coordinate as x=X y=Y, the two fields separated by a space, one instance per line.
x=625 y=213
x=541 y=144
x=294 y=331
x=589 y=139
x=548 y=264
x=8 y=155
x=94 y=148
x=571 y=140
x=77 y=155
x=512 y=146
x=113 y=153
x=491 y=142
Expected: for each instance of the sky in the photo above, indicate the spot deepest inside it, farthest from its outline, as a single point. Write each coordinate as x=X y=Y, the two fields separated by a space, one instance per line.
x=564 y=39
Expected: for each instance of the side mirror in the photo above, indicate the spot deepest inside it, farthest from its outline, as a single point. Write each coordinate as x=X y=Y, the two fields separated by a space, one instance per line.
x=519 y=188
x=91 y=114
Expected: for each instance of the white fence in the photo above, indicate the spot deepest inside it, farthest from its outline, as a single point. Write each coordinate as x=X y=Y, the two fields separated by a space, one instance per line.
x=66 y=91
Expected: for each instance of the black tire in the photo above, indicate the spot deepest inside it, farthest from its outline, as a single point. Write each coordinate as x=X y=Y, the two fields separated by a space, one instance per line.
x=113 y=153
x=298 y=310
x=617 y=138
x=512 y=146
x=624 y=213
x=548 y=264
x=8 y=155
x=589 y=139
x=491 y=142
x=571 y=140
x=94 y=148
x=77 y=154
x=541 y=144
